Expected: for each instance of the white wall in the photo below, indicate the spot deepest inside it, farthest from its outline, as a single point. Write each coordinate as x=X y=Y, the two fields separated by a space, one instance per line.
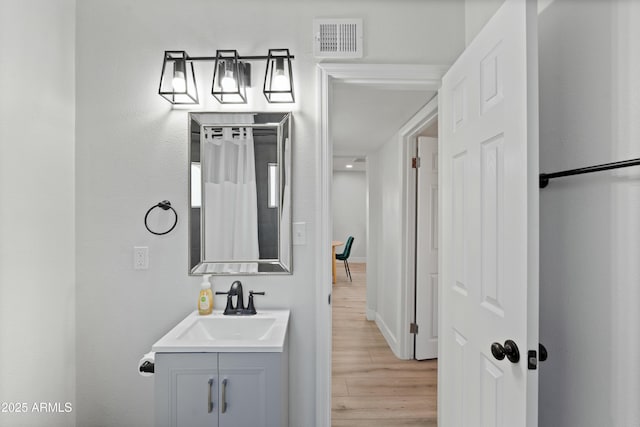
x=131 y=153
x=589 y=224
x=384 y=277
x=37 y=258
x=350 y=211
x=476 y=15
x=625 y=269
x=478 y=12
x=374 y=237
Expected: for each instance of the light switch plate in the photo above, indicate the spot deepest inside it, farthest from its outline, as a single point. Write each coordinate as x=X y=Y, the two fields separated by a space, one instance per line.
x=299 y=233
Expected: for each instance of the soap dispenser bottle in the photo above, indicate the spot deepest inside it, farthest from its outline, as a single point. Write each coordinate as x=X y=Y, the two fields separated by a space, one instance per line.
x=205 y=301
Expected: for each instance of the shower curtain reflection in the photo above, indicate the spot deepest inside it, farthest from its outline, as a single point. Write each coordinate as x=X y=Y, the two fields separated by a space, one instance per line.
x=230 y=196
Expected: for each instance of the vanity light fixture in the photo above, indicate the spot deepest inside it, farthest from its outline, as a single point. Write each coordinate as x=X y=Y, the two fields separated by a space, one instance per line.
x=278 y=80
x=231 y=77
x=178 y=81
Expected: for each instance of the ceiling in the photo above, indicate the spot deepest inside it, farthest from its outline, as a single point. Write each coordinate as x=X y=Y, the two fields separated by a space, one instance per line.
x=341 y=163
x=358 y=163
x=363 y=118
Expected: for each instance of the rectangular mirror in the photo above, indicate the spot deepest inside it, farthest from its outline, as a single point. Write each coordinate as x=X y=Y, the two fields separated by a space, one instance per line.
x=239 y=193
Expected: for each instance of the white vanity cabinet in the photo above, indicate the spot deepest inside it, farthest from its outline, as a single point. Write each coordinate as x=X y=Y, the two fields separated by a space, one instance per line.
x=221 y=389
x=186 y=389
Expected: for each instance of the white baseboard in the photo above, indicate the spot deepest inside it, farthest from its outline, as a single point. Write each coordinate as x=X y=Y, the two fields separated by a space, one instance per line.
x=357 y=259
x=388 y=336
x=371 y=314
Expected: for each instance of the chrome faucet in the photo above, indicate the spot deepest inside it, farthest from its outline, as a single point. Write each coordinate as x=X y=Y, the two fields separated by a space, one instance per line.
x=238 y=308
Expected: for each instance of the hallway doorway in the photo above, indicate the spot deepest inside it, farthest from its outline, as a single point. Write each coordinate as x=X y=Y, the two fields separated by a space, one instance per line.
x=392 y=270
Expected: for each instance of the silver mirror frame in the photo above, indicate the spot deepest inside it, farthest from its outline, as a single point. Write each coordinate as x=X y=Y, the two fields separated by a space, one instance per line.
x=283 y=264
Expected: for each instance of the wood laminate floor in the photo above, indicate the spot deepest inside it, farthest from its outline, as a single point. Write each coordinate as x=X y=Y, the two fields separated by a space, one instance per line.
x=370 y=386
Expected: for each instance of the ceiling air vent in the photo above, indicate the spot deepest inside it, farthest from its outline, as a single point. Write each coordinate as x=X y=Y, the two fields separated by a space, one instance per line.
x=337 y=38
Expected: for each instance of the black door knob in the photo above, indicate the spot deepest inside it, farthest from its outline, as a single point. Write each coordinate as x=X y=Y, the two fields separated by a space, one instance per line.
x=542 y=351
x=510 y=350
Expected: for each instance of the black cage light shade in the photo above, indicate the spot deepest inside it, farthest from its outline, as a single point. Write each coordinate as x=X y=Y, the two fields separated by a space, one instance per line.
x=178 y=81
x=229 y=82
x=278 y=80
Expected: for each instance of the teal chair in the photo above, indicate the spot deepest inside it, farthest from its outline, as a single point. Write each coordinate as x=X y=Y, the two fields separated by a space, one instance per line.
x=344 y=256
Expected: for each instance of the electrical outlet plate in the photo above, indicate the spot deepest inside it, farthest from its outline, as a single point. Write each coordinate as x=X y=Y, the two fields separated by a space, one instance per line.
x=140 y=257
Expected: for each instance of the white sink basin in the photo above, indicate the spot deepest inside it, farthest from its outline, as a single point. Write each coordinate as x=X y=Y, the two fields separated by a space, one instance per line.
x=215 y=333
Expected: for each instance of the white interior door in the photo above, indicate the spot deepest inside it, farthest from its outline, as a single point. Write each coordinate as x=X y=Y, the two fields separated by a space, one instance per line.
x=489 y=242
x=426 y=340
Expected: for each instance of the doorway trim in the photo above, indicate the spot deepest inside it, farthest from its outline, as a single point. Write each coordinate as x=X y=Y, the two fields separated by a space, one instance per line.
x=396 y=76
x=408 y=136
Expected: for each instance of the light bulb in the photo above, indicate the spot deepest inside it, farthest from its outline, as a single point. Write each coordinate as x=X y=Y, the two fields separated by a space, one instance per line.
x=228 y=83
x=280 y=81
x=179 y=82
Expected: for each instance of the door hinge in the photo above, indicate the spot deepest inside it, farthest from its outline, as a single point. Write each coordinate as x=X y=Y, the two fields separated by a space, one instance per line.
x=413 y=328
x=329 y=302
x=415 y=162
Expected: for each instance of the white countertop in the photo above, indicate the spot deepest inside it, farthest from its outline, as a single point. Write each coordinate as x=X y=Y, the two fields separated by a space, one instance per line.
x=265 y=332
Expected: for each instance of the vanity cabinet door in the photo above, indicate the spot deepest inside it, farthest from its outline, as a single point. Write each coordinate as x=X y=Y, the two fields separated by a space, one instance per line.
x=186 y=389
x=251 y=385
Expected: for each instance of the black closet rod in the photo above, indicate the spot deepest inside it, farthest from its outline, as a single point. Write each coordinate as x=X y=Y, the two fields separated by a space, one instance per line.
x=545 y=177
